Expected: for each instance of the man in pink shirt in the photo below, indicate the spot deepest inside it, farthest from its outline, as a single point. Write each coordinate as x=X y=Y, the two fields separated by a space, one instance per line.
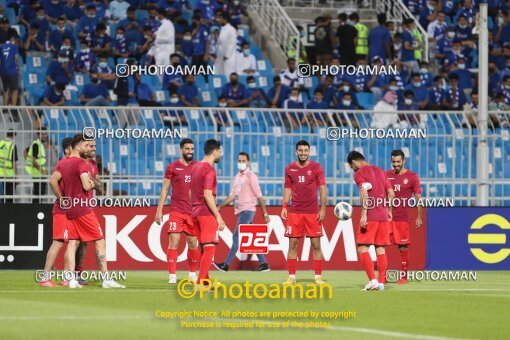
x=245 y=193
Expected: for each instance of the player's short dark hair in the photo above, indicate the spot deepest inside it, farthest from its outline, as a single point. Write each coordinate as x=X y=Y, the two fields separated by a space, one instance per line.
x=242 y=153
x=66 y=142
x=398 y=152
x=302 y=142
x=77 y=139
x=185 y=141
x=211 y=145
x=354 y=156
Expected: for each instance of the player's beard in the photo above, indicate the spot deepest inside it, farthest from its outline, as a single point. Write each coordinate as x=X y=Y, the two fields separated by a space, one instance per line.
x=217 y=160
x=188 y=157
x=83 y=154
x=397 y=170
x=302 y=162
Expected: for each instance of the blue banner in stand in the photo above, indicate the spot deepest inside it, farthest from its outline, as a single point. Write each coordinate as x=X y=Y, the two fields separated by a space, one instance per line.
x=468 y=238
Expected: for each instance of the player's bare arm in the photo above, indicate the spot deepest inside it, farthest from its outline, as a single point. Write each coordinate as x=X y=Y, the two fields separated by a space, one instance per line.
x=55 y=178
x=287 y=193
x=363 y=194
x=419 y=210
x=262 y=204
x=211 y=204
x=162 y=199
x=86 y=182
x=324 y=195
x=98 y=185
x=391 y=196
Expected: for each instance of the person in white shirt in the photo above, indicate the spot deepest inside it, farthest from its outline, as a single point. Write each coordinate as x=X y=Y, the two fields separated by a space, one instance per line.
x=245 y=61
x=289 y=75
x=118 y=9
x=437 y=28
x=381 y=119
x=164 y=43
x=226 y=48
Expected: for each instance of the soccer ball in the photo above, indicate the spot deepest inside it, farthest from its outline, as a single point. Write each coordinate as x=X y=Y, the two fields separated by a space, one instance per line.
x=343 y=211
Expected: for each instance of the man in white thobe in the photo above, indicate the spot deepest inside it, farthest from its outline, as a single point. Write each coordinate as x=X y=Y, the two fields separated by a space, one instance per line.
x=226 y=48
x=164 y=43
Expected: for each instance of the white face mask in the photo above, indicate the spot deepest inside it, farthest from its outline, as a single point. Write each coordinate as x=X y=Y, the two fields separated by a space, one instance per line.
x=222 y=104
x=294 y=98
x=346 y=102
x=408 y=101
x=346 y=88
x=174 y=100
x=252 y=85
x=394 y=88
x=461 y=66
x=451 y=35
x=242 y=166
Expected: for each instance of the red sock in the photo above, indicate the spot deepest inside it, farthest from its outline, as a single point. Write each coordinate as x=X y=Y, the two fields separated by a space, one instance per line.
x=79 y=268
x=171 y=257
x=382 y=265
x=206 y=261
x=368 y=265
x=317 y=266
x=193 y=259
x=291 y=264
x=404 y=259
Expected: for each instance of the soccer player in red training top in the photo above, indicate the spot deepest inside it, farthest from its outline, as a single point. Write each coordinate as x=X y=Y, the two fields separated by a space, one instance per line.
x=206 y=216
x=375 y=224
x=98 y=187
x=178 y=175
x=84 y=225
x=59 y=220
x=303 y=216
x=405 y=184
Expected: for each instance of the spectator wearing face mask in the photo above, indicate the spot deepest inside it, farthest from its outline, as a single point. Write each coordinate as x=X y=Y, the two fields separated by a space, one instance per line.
x=444 y=45
x=120 y=45
x=396 y=87
x=468 y=11
x=293 y=119
x=346 y=103
x=85 y=58
x=58 y=34
x=465 y=76
x=236 y=12
x=60 y=70
x=95 y=93
x=425 y=74
x=453 y=56
x=245 y=61
x=257 y=96
x=236 y=93
x=87 y=24
x=437 y=95
x=173 y=118
x=346 y=87
x=278 y=93
x=101 y=42
x=408 y=104
x=54 y=96
x=105 y=73
x=421 y=94
x=456 y=97
x=463 y=30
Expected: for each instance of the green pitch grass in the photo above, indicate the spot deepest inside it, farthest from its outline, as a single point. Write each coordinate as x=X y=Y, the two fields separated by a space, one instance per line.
x=419 y=310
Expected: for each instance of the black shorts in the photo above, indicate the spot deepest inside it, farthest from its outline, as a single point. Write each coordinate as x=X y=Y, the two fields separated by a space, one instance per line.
x=10 y=82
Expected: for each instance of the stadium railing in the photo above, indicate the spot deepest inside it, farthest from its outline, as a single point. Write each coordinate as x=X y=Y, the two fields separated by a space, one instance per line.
x=323 y=4
x=445 y=160
x=278 y=23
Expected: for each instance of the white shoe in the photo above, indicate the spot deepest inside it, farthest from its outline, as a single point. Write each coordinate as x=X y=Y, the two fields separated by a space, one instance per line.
x=380 y=286
x=74 y=284
x=193 y=276
x=172 y=279
x=372 y=285
x=112 y=284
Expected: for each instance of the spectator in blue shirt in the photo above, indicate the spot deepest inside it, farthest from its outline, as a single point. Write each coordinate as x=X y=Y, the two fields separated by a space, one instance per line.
x=67 y=50
x=172 y=82
x=318 y=102
x=444 y=45
x=293 y=119
x=54 y=95
x=188 y=92
x=463 y=29
x=346 y=103
x=200 y=41
x=409 y=45
x=28 y=13
x=145 y=96
x=32 y=40
x=187 y=44
x=454 y=55
x=145 y=41
x=120 y=45
x=40 y=19
x=378 y=80
x=421 y=94
x=467 y=11
x=72 y=12
x=465 y=76
x=57 y=35
x=456 y=97
x=173 y=118
x=504 y=88
x=504 y=34
x=10 y=71
x=327 y=88
x=346 y=87
x=437 y=95
x=55 y=10
x=425 y=74
x=408 y=104
x=257 y=96
x=207 y=9
x=105 y=73
x=152 y=20
x=235 y=13
x=95 y=93
x=394 y=86
x=132 y=28
x=236 y=93
x=428 y=13
x=60 y=70
x=171 y=6
x=85 y=59
x=278 y=93
x=379 y=40
x=101 y=42
x=87 y=24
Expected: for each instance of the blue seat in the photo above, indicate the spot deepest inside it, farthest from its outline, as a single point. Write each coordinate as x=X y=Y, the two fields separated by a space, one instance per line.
x=366 y=100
